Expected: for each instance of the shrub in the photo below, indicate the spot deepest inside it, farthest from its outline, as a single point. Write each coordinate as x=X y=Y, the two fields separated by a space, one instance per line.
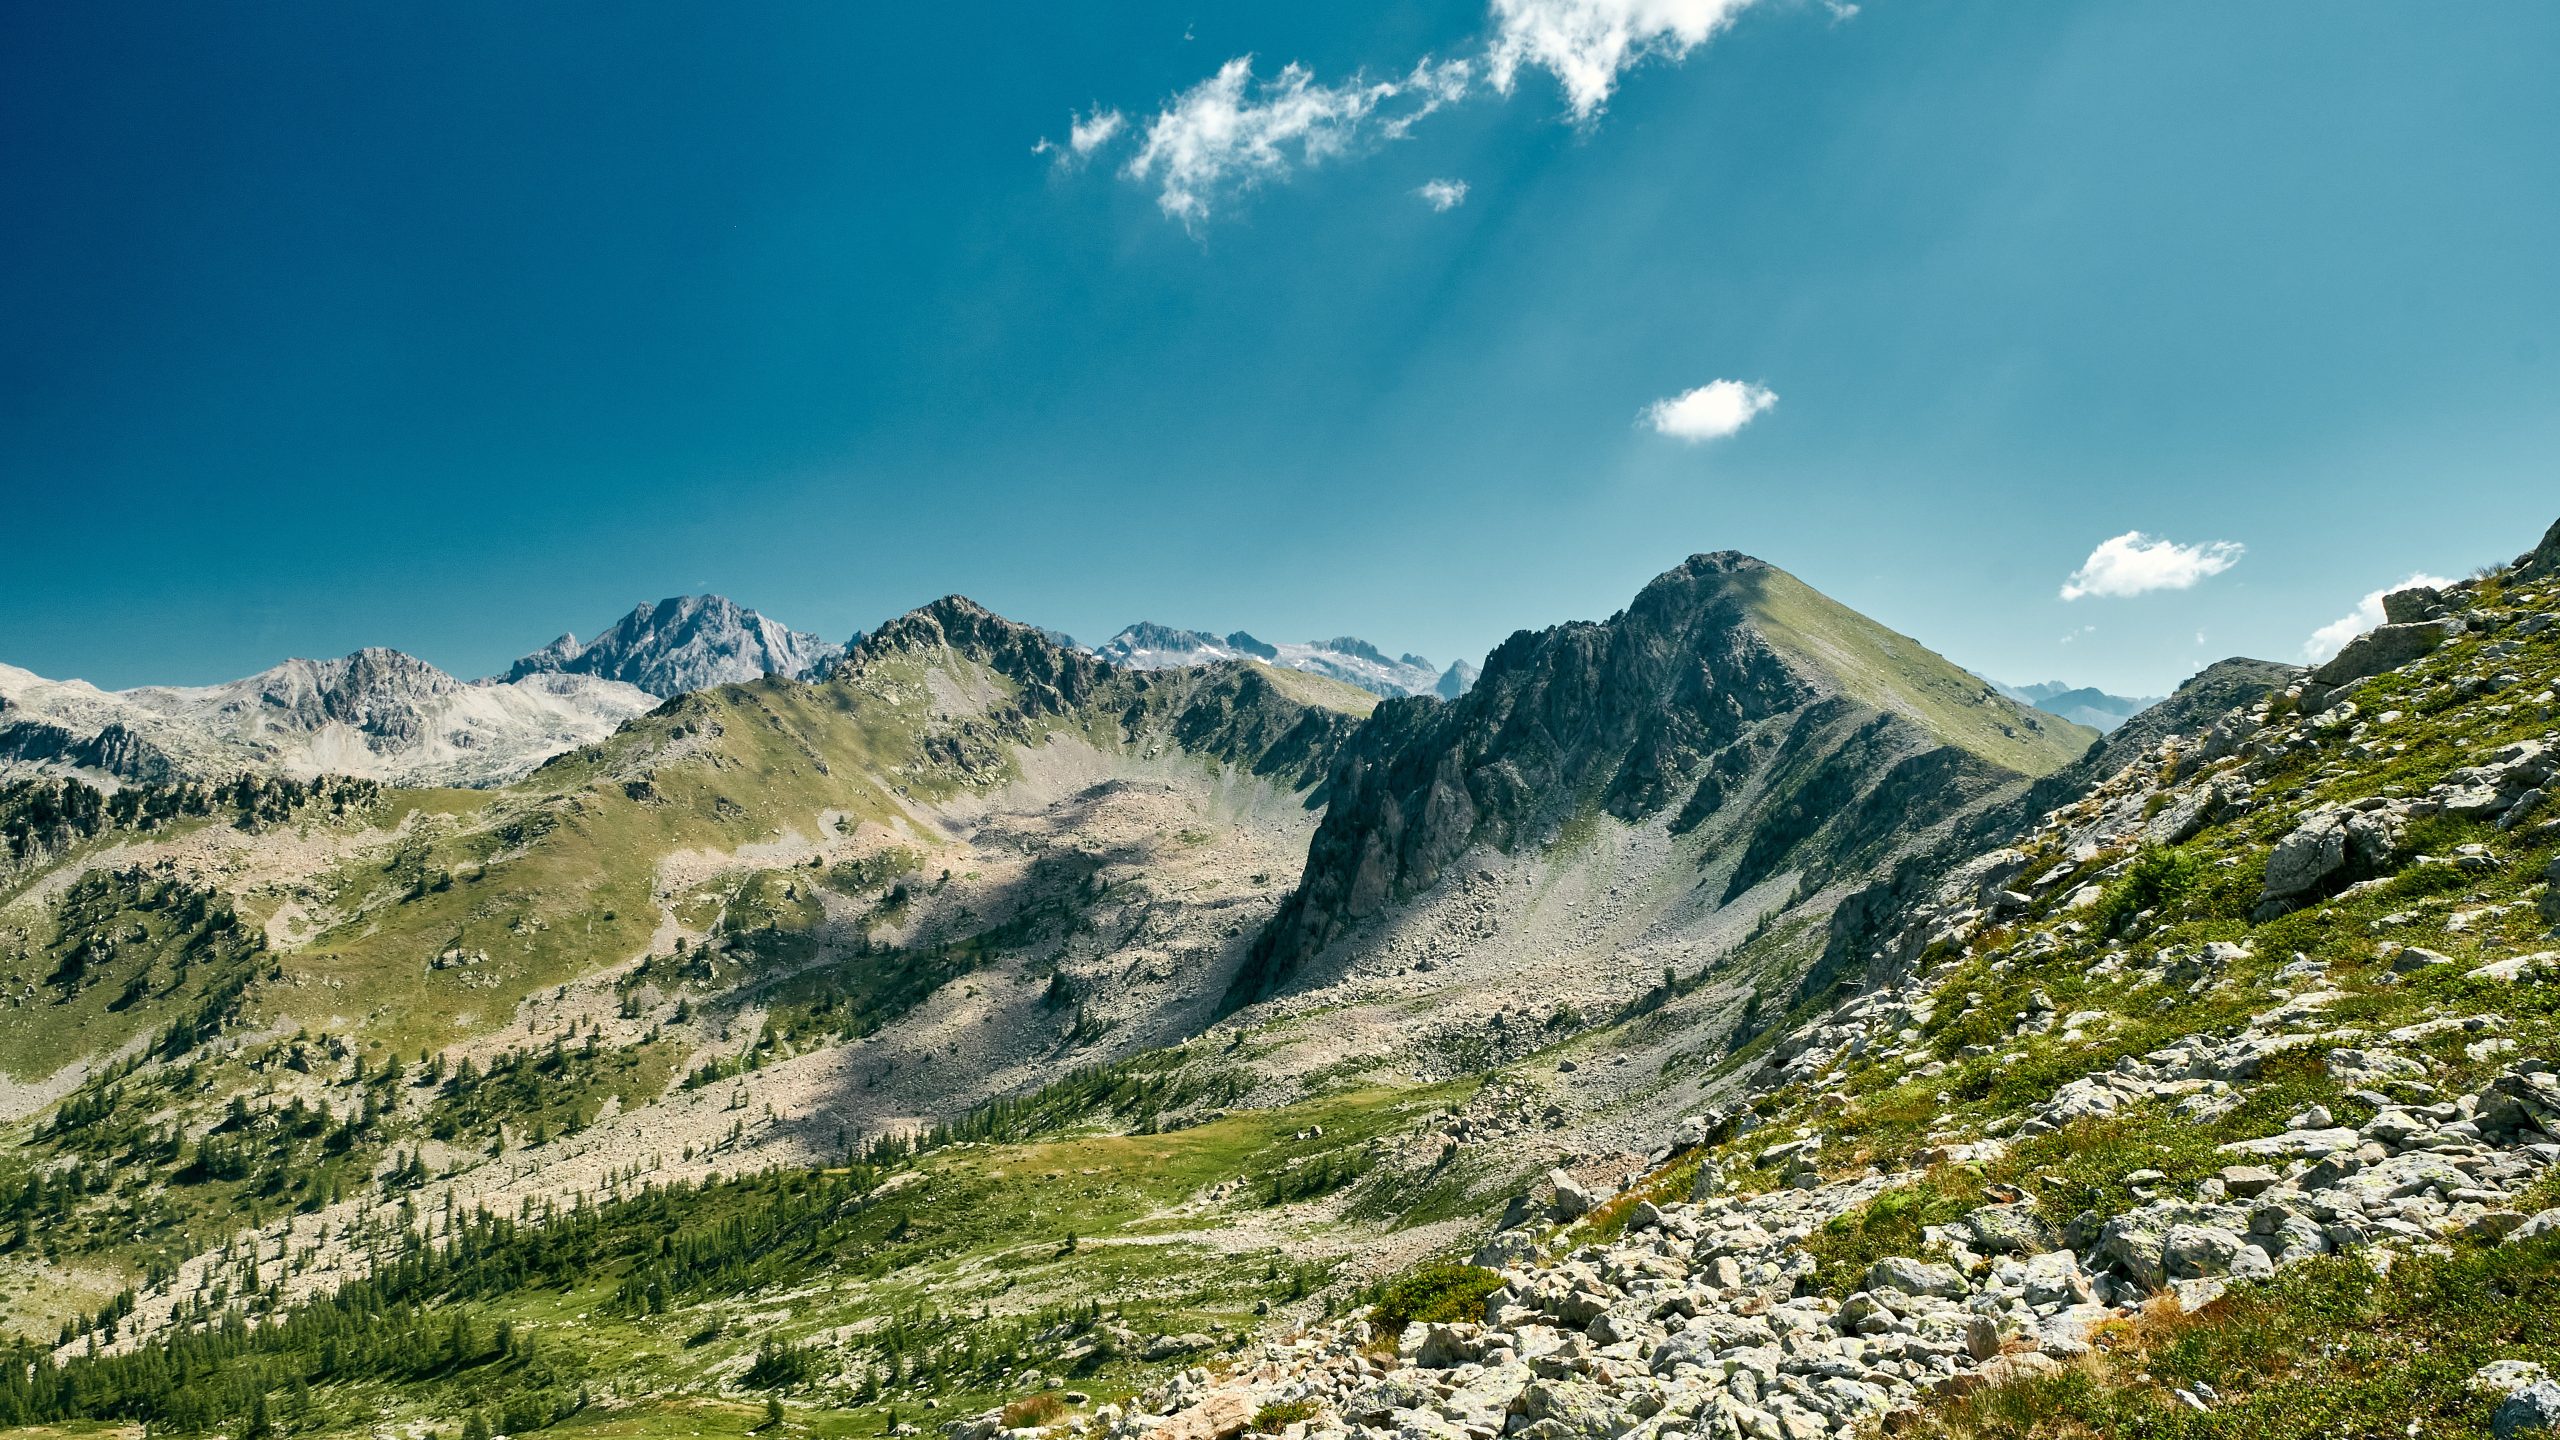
x=1279 y=1415
x=1034 y=1410
x=1433 y=1294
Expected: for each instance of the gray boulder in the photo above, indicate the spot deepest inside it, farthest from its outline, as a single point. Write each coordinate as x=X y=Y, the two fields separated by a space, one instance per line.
x=2534 y=1410
x=2009 y=1230
x=2386 y=647
x=1914 y=1277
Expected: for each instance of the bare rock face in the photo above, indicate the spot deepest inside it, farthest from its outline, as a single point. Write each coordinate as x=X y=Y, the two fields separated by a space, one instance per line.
x=684 y=643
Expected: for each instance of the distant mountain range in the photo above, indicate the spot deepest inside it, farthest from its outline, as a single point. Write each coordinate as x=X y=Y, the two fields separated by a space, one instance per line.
x=1149 y=646
x=2080 y=704
x=384 y=715
x=377 y=714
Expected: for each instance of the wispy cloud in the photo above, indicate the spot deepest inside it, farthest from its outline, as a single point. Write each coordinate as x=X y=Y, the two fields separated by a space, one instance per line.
x=1085 y=134
x=1231 y=132
x=1443 y=195
x=2136 y=564
x=1588 y=44
x=2331 y=638
x=1710 y=412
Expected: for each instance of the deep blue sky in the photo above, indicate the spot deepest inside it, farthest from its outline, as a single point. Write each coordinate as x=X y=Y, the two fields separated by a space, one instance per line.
x=453 y=326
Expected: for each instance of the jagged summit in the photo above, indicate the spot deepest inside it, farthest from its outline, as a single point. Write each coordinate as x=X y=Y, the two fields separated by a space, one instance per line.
x=683 y=643
x=1348 y=658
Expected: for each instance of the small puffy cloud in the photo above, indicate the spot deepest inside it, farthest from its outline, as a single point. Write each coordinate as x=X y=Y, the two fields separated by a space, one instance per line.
x=1710 y=412
x=1231 y=132
x=2136 y=564
x=2331 y=638
x=1443 y=195
x=1588 y=44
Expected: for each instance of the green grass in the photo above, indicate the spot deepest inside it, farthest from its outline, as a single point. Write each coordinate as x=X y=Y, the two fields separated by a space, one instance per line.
x=1893 y=672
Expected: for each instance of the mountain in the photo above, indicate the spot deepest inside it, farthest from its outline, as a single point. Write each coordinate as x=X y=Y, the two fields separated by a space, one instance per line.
x=684 y=643
x=376 y=714
x=1149 y=646
x=1730 y=1006
x=2080 y=704
x=1731 y=746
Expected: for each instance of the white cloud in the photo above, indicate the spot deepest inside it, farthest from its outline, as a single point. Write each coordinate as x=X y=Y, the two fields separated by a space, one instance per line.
x=1443 y=195
x=1588 y=44
x=1085 y=134
x=1710 y=412
x=1091 y=132
x=2135 y=564
x=2331 y=638
x=1230 y=132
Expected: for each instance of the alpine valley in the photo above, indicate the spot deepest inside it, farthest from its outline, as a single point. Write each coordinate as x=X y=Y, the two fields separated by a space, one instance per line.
x=1726 y=1019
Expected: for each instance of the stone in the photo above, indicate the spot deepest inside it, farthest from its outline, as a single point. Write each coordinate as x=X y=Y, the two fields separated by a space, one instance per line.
x=2386 y=647
x=2306 y=1143
x=1913 y=1277
x=1219 y=1415
x=2534 y=1228
x=2506 y=1377
x=2309 y=853
x=2531 y=1411
x=2009 y=1230
x=2196 y=1252
x=2247 y=1181
x=1573 y=1199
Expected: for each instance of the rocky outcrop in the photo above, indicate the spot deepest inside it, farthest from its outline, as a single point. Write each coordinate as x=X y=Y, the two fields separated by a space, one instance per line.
x=684 y=643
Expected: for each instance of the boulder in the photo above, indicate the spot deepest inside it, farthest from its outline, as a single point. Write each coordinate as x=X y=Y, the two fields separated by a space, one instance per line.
x=2411 y=606
x=2196 y=1252
x=2519 y=1104
x=2531 y=1411
x=2386 y=647
x=2309 y=854
x=2534 y=1228
x=1913 y=1277
x=1573 y=1199
x=2009 y=1230
x=1220 y=1415
x=2247 y=1182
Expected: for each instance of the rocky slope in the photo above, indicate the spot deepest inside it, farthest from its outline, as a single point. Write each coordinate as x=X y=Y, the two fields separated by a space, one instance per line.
x=682 y=644
x=1353 y=661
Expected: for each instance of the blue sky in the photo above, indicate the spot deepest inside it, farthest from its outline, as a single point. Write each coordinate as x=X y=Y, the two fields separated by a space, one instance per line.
x=451 y=327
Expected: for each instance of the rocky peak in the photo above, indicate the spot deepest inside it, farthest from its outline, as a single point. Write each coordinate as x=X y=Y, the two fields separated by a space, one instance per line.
x=1726 y=695
x=1052 y=677
x=684 y=643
